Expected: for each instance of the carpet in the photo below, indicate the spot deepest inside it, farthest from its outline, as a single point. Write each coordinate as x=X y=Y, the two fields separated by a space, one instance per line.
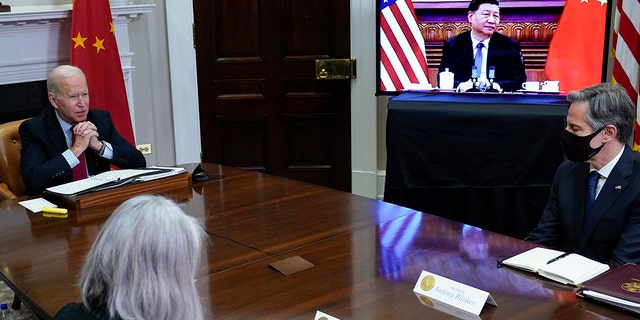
x=6 y=296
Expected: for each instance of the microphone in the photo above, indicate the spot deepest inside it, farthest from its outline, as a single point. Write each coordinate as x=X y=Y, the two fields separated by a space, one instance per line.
x=199 y=175
x=474 y=79
x=474 y=73
x=492 y=76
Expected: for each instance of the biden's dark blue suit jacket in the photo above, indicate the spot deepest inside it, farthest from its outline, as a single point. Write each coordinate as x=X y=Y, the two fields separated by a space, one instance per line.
x=43 y=142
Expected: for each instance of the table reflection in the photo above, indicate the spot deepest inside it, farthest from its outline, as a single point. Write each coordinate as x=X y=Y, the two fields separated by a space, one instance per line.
x=460 y=252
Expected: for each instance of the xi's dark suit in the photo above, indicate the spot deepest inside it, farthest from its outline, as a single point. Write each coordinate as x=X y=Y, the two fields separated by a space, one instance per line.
x=503 y=53
x=43 y=142
x=613 y=236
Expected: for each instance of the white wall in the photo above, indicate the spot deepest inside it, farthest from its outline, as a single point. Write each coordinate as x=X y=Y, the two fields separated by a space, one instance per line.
x=364 y=170
x=151 y=80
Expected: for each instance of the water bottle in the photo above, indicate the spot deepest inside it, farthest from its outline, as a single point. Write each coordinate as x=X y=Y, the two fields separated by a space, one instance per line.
x=5 y=313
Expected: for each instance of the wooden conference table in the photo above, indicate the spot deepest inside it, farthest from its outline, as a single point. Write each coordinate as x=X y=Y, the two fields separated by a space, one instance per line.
x=368 y=254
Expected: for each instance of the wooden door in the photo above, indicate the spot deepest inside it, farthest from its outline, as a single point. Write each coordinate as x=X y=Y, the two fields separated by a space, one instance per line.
x=261 y=107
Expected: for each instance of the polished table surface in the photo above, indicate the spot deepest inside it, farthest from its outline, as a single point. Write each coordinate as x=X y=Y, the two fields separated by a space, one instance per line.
x=367 y=254
x=499 y=152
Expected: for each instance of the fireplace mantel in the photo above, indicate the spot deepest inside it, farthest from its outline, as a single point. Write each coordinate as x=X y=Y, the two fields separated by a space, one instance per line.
x=35 y=39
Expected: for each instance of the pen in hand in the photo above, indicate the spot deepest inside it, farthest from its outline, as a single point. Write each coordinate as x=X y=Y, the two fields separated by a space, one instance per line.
x=558 y=257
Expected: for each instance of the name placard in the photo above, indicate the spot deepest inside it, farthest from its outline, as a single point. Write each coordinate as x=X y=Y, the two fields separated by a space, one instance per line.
x=450 y=296
x=323 y=316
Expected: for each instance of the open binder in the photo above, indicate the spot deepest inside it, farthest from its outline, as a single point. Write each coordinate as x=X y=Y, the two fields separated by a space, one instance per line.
x=126 y=184
x=112 y=179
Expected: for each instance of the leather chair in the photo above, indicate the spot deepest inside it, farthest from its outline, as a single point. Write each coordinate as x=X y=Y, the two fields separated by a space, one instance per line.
x=12 y=185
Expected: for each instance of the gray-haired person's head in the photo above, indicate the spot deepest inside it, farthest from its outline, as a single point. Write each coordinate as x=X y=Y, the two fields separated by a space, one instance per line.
x=607 y=104
x=58 y=72
x=143 y=262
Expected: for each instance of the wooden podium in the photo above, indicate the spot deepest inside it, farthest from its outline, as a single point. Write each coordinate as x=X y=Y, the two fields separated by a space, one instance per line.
x=122 y=193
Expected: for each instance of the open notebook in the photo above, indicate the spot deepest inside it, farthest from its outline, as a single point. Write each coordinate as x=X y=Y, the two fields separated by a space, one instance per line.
x=567 y=268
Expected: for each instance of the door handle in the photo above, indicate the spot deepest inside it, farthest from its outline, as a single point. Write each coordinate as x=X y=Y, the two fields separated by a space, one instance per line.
x=334 y=69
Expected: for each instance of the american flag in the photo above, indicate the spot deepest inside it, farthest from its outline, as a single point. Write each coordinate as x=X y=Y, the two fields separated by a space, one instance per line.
x=403 y=64
x=626 y=53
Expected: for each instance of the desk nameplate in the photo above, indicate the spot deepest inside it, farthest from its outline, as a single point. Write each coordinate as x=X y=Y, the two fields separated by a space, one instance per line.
x=450 y=296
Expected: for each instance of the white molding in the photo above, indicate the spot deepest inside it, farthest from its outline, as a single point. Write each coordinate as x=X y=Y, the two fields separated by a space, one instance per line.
x=31 y=40
x=363 y=100
x=184 y=82
x=382 y=176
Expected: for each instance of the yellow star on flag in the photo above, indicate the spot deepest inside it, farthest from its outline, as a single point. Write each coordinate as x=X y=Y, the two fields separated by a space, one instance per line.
x=78 y=41
x=112 y=28
x=98 y=45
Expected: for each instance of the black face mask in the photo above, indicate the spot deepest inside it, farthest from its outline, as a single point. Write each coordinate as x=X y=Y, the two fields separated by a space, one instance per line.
x=576 y=148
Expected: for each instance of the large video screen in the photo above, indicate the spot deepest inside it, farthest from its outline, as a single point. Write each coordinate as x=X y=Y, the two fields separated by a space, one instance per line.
x=411 y=60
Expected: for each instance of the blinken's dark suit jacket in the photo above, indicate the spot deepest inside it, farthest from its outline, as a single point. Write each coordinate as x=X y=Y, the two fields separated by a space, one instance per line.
x=43 y=142
x=614 y=234
x=504 y=54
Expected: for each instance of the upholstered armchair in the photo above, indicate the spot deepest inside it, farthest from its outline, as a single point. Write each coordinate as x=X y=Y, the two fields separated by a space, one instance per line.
x=12 y=185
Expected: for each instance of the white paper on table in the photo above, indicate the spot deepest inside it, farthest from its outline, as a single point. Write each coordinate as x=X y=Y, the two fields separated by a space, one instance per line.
x=37 y=204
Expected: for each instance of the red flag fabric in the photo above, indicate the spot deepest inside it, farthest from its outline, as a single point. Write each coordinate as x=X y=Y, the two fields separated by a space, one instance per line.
x=576 y=50
x=95 y=51
x=403 y=63
x=626 y=53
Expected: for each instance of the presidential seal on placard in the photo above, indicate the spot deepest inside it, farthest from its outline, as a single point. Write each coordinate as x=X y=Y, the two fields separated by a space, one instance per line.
x=427 y=283
x=633 y=287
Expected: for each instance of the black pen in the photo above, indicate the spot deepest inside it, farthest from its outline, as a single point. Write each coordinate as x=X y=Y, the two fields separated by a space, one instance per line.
x=558 y=257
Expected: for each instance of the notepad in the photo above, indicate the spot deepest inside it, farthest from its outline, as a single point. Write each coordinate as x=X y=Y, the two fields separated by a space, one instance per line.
x=36 y=205
x=566 y=268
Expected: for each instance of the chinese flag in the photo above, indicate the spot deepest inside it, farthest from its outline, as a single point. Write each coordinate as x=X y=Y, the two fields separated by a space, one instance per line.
x=95 y=51
x=577 y=47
